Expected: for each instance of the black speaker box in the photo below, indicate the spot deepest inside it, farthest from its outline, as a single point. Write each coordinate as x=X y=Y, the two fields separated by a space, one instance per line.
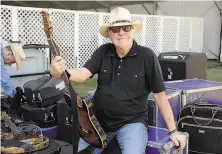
x=183 y=65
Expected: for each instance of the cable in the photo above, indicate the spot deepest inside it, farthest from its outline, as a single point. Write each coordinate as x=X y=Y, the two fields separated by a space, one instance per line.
x=31 y=128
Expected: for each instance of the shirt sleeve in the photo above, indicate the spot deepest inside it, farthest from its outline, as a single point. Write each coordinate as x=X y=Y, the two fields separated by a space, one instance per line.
x=94 y=63
x=6 y=82
x=156 y=77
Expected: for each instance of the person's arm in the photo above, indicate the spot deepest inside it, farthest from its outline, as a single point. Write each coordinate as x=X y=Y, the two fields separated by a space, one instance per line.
x=58 y=67
x=158 y=88
x=165 y=109
x=79 y=74
x=91 y=67
x=6 y=82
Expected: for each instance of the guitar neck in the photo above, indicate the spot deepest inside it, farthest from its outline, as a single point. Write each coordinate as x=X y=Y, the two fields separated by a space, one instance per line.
x=55 y=52
x=52 y=45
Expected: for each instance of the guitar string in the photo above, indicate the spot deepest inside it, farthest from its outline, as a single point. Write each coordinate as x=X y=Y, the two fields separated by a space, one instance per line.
x=13 y=127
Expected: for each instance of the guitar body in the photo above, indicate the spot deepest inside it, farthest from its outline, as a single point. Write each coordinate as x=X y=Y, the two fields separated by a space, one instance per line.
x=89 y=127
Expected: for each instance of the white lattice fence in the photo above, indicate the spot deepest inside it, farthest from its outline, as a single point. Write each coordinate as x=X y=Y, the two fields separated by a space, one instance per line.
x=88 y=36
x=76 y=33
x=184 y=35
x=139 y=36
x=152 y=33
x=64 y=34
x=6 y=23
x=169 y=34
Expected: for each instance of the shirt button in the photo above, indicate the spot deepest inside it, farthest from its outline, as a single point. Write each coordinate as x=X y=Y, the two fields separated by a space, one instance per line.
x=121 y=60
x=136 y=76
x=118 y=73
x=119 y=67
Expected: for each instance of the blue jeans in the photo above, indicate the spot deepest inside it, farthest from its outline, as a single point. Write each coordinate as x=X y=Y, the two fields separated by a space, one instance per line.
x=132 y=139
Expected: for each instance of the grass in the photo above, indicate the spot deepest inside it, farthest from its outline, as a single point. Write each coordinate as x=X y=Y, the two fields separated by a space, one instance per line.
x=214 y=73
x=83 y=88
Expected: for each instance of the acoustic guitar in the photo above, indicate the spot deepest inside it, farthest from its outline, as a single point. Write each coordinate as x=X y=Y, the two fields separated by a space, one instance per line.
x=89 y=128
x=17 y=133
x=32 y=142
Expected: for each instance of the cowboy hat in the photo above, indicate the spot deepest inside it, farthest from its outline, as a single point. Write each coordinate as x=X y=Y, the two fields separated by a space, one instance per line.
x=18 y=53
x=119 y=17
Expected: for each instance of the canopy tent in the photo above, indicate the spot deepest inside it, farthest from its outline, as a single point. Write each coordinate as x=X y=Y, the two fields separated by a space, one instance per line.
x=74 y=5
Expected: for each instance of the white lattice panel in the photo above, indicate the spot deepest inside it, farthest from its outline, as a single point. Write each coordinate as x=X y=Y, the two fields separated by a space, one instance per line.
x=184 y=35
x=6 y=23
x=170 y=28
x=64 y=35
x=30 y=26
x=31 y=29
x=88 y=36
x=152 y=35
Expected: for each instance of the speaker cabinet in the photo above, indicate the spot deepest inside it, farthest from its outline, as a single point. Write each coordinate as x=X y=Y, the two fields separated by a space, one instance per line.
x=183 y=65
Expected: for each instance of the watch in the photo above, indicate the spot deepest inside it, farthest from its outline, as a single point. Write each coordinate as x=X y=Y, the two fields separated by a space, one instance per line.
x=173 y=131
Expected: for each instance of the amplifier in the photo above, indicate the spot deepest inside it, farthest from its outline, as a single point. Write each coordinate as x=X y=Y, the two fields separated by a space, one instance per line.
x=183 y=65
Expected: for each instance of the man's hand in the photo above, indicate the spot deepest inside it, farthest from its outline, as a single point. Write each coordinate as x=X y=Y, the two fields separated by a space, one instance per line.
x=58 y=66
x=179 y=140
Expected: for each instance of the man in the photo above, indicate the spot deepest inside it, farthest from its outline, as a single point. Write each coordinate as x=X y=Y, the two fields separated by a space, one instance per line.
x=11 y=53
x=127 y=73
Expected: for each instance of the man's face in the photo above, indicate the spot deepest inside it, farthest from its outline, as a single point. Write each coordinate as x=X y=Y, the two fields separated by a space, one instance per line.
x=8 y=57
x=122 y=36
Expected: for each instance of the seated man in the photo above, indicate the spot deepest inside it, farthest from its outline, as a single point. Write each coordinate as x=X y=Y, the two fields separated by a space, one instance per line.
x=128 y=73
x=10 y=53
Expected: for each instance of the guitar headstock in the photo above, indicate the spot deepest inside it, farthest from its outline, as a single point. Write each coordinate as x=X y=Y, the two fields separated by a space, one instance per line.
x=47 y=26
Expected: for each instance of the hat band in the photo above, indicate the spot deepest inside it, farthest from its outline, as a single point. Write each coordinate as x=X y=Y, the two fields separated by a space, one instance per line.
x=121 y=21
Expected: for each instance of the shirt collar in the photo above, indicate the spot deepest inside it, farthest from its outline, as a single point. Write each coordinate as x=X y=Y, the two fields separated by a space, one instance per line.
x=132 y=52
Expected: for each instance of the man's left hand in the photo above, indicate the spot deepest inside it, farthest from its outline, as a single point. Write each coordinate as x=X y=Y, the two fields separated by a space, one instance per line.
x=179 y=140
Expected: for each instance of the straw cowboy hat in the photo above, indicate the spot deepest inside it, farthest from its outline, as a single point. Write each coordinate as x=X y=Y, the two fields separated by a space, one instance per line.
x=18 y=53
x=119 y=17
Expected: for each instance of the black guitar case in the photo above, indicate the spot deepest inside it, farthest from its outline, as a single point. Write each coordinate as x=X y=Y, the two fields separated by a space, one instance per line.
x=64 y=121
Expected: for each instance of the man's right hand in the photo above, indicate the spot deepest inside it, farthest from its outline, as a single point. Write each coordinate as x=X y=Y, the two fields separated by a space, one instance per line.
x=58 y=66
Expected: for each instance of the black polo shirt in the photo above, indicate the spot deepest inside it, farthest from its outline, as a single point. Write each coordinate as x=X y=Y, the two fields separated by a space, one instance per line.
x=124 y=84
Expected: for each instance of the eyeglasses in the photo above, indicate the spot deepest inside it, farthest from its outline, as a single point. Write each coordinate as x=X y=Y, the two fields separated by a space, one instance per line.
x=116 y=29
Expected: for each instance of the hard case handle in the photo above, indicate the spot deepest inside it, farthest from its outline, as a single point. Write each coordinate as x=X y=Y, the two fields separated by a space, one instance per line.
x=214 y=112
x=206 y=104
